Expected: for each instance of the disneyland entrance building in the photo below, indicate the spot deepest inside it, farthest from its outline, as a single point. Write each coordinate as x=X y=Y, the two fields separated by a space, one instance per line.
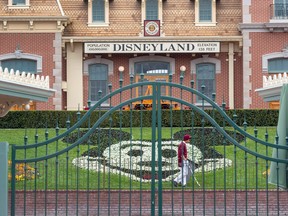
x=82 y=44
x=209 y=62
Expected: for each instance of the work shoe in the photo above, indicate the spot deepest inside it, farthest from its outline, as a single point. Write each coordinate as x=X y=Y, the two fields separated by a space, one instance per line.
x=175 y=183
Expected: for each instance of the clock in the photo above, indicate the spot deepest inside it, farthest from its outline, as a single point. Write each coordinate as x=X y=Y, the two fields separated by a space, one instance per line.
x=151 y=27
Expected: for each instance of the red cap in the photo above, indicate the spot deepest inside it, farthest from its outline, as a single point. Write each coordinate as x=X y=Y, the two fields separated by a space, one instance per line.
x=186 y=137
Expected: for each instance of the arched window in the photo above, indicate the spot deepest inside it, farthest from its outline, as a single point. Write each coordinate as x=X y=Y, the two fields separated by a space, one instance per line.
x=205 y=75
x=278 y=65
x=98 y=80
x=26 y=65
x=154 y=71
x=152 y=67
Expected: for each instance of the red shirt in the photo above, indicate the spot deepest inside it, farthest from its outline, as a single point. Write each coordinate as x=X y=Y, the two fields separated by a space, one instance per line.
x=182 y=151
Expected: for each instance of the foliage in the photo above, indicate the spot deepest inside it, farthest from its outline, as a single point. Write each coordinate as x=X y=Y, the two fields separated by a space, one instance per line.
x=184 y=118
x=23 y=172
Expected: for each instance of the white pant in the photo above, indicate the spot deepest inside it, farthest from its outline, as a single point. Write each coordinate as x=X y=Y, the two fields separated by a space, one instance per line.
x=182 y=177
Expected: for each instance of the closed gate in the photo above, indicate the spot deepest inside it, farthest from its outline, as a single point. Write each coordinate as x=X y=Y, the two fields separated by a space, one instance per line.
x=123 y=161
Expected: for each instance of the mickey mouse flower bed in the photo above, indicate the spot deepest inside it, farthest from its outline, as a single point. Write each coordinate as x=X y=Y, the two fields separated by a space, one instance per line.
x=132 y=158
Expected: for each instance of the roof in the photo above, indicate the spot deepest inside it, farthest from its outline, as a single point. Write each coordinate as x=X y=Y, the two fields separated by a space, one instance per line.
x=37 y=8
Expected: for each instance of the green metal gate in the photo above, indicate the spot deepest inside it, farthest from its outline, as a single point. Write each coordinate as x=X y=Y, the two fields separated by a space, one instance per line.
x=98 y=164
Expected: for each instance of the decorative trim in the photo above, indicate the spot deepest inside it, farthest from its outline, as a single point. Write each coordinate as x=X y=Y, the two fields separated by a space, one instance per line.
x=205 y=59
x=151 y=28
x=265 y=58
x=19 y=55
x=98 y=60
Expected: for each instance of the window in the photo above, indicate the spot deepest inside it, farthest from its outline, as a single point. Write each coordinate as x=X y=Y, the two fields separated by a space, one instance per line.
x=18 y=3
x=278 y=65
x=281 y=9
x=151 y=9
x=152 y=67
x=21 y=61
x=205 y=75
x=205 y=12
x=154 y=71
x=98 y=80
x=98 y=13
x=27 y=65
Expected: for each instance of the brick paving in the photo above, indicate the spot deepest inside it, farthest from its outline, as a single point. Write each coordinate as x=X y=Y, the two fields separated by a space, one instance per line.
x=176 y=202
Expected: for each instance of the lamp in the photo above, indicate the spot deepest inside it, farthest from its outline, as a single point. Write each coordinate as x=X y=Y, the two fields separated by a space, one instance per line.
x=121 y=69
x=182 y=70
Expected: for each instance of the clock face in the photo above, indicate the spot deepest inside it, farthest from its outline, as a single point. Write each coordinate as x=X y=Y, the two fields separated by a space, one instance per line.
x=152 y=28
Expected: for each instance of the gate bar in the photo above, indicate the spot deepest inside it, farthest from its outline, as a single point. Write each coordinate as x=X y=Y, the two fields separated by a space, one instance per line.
x=4 y=147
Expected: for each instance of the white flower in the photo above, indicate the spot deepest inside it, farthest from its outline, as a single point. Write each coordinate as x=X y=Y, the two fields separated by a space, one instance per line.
x=124 y=155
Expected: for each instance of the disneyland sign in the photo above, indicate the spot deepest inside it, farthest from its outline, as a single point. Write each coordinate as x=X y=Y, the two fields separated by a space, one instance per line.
x=153 y=47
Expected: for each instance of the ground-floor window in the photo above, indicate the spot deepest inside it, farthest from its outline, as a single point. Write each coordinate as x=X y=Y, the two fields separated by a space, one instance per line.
x=205 y=75
x=27 y=65
x=153 y=71
x=277 y=65
x=98 y=80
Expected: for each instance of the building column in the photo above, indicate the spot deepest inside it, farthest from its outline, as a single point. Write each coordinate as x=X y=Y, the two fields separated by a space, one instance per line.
x=231 y=75
x=74 y=76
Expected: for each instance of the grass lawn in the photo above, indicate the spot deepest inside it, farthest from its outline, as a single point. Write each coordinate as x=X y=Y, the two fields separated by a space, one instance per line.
x=59 y=173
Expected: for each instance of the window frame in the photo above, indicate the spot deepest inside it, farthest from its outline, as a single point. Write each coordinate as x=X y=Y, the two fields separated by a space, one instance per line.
x=143 y=11
x=11 y=5
x=198 y=22
x=20 y=55
x=89 y=83
x=91 y=22
x=276 y=55
x=33 y=61
x=198 y=85
x=272 y=70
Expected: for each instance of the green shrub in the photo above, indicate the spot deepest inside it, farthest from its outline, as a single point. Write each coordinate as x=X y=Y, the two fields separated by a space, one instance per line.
x=185 y=118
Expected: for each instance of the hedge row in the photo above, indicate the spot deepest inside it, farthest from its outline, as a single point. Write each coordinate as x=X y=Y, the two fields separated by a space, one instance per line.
x=185 y=118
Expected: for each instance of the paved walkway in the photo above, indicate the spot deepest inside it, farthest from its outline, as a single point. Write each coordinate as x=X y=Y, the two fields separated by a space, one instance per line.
x=138 y=203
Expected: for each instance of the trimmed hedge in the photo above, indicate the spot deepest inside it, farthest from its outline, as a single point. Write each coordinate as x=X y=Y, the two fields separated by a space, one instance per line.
x=52 y=119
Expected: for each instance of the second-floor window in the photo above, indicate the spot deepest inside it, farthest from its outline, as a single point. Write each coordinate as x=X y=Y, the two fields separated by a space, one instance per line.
x=18 y=3
x=151 y=9
x=280 y=9
x=98 y=13
x=205 y=12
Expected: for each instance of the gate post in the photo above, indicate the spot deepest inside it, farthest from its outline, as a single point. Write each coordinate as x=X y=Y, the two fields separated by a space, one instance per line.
x=4 y=178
